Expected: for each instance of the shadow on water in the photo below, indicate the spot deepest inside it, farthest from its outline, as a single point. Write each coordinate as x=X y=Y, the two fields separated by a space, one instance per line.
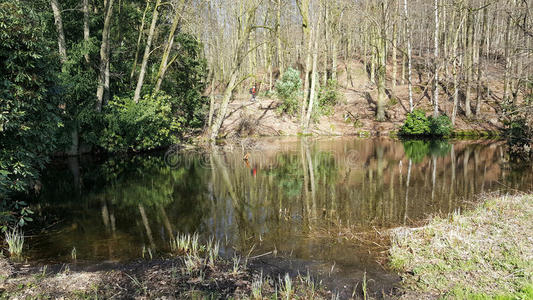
x=300 y=201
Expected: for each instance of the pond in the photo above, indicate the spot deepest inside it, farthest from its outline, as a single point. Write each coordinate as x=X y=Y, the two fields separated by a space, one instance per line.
x=319 y=202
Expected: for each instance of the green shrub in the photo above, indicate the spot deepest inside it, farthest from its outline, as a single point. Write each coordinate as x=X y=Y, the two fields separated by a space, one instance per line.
x=288 y=91
x=440 y=126
x=417 y=124
x=131 y=126
x=30 y=116
x=328 y=97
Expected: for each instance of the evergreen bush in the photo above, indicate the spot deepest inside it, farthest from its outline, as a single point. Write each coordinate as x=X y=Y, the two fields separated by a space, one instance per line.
x=328 y=97
x=288 y=91
x=417 y=124
x=131 y=126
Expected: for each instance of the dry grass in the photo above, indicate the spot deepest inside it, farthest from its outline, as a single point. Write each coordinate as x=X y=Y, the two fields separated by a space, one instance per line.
x=485 y=252
x=197 y=273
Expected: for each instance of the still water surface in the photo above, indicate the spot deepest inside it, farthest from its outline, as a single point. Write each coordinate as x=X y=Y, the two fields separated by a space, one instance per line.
x=294 y=197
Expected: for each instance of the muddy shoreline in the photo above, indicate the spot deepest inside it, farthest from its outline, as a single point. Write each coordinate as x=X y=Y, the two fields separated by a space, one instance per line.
x=169 y=278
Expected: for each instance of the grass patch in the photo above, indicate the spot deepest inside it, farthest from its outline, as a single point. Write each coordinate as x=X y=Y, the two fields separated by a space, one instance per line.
x=15 y=241
x=476 y=134
x=485 y=253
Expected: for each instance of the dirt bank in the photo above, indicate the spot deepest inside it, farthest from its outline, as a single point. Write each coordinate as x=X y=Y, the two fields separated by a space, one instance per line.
x=355 y=114
x=150 y=279
x=184 y=277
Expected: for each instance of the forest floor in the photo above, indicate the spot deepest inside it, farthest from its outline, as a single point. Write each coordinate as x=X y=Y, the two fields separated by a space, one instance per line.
x=355 y=112
x=484 y=253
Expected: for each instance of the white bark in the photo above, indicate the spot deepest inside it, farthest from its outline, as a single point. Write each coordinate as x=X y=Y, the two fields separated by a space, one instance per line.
x=146 y=55
x=86 y=32
x=104 y=56
x=436 y=57
x=409 y=56
x=313 y=78
x=59 y=28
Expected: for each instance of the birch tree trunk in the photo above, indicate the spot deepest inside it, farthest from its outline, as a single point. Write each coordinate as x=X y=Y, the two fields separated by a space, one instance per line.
x=469 y=62
x=139 y=37
x=303 y=6
x=107 y=72
x=86 y=30
x=409 y=55
x=313 y=78
x=146 y=55
x=480 y=61
x=455 y=73
x=382 y=66
x=394 y=55
x=170 y=41
x=58 y=21
x=507 y=60
x=104 y=55
x=278 y=38
x=436 y=57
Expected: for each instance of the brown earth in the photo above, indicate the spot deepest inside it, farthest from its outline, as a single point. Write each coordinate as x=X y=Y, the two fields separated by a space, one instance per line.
x=355 y=114
x=142 y=279
x=166 y=278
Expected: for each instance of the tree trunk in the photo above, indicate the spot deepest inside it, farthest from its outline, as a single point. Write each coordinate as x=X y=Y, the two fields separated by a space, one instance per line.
x=278 y=38
x=469 y=62
x=394 y=56
x=313 y=78
x=170 y=41
x=409 y=56
x=104 y=55
x=507 y=60
x=480 y=61
x=146 y=55
x=455 y=74
x=58 y=21
x=334 y=63
x=373 y=57
x=436 y=63
x=303 y=6
x=327 y=43
x=223 y=106
x=211 y=101
x=139 y=37
x=252 y=55
x=382 y=67
x=107 y=73
x=86 y=31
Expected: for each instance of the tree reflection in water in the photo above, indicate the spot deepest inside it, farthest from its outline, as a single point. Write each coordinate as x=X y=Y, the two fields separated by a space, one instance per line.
x=276 y=200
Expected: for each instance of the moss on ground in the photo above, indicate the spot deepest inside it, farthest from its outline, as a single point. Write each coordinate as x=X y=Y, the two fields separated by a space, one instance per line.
x=485 y=253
